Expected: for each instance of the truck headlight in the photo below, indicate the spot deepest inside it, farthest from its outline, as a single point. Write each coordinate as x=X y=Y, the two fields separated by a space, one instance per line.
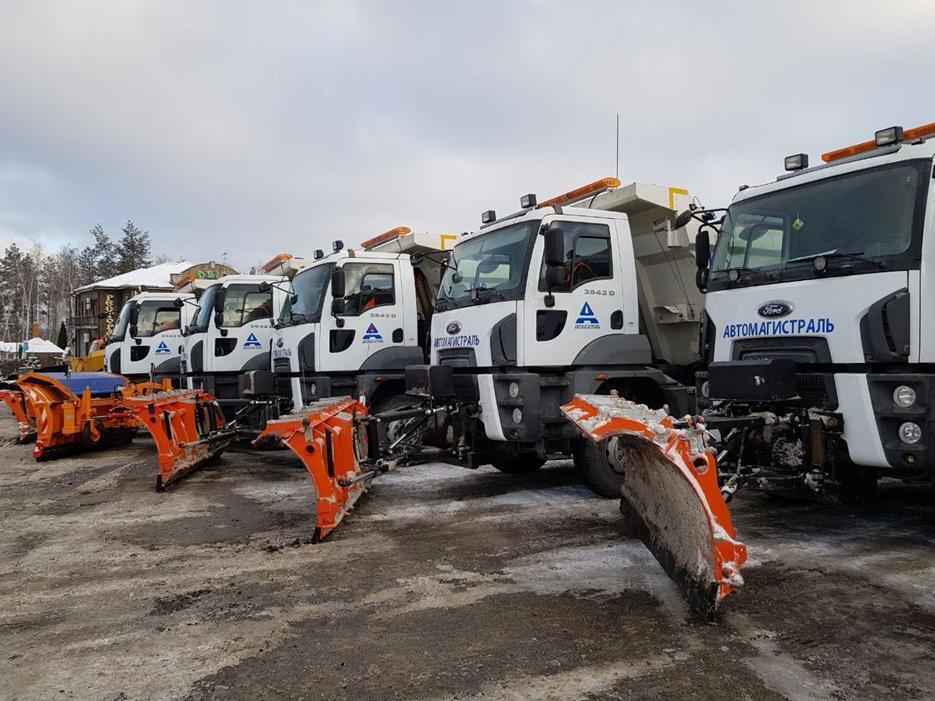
x=514 y=390
x=904 y=396
x=518 y=417
x=910 y=433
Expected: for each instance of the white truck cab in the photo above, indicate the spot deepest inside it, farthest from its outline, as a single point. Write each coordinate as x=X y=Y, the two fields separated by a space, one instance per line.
x=588 y=292
x=147 y=336
x=817 y=298
x=357 y=317
x=231 y=332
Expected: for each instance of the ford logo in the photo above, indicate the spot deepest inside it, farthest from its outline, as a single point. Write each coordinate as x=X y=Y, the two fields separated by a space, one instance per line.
x=453 y=328
x=772 y=310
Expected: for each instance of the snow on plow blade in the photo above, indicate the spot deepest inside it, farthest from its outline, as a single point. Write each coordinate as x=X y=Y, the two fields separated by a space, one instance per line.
x=324 y=437
x=71 y=410
x=670 y=492
x=188 y=427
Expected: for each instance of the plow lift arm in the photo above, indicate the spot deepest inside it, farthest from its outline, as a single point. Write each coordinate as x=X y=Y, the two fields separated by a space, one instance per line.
x=670 y=493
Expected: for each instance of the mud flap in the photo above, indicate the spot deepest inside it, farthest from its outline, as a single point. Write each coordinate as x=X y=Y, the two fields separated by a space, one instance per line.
x=325 y=438
x=188 y=427
x=670 y=492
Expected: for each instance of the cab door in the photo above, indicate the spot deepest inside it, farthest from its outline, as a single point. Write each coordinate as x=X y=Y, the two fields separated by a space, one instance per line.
x=373 y=317
x=588 y=303
x=157 y=337
x=242 y=340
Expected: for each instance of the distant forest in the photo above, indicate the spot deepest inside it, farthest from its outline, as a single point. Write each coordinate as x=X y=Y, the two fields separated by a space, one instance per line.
x=36 y=284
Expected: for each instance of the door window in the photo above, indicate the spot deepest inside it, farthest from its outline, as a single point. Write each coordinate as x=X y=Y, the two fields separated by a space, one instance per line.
x=156 y=317
x=367 y=286
x=587 y=256
x=244 y=303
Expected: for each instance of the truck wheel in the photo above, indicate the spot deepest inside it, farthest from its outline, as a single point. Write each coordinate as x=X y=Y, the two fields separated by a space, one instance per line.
x=517 y=464
x=592 y=464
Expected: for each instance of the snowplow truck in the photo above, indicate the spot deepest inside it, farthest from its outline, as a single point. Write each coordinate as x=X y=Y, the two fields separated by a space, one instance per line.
x=820 y=359
x=354 y=319
x=586 y=293
x=147 y=337
x=230 y=333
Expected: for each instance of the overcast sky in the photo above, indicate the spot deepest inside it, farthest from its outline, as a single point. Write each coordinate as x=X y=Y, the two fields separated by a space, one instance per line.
x=258 y=128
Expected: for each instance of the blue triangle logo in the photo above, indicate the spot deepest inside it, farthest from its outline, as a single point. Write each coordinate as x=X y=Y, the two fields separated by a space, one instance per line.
x=371 y=335
x=251 y=342
x=587 y=317
x=162 y=348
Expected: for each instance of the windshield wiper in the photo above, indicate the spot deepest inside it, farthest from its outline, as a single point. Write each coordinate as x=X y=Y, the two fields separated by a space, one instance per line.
x=849 y=255
x=489 y=294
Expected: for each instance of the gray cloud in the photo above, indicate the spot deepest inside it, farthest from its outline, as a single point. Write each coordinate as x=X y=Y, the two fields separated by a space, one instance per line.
x=256 y=128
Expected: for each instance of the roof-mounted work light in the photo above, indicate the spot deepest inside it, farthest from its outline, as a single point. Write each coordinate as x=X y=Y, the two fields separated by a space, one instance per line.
x=797 y=161
x=527 y=201
x=337 y=245
x=488 y=217
x=888 y=136
x=319 y=254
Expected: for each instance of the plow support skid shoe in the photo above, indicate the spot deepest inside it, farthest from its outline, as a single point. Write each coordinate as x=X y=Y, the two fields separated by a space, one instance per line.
x=670 y=492
x=324 y=437
x=72 y=410
x=188 y=427
x=16 y=400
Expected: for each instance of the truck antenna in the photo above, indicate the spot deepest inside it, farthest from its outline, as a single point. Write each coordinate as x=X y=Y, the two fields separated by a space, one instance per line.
x=617 y=169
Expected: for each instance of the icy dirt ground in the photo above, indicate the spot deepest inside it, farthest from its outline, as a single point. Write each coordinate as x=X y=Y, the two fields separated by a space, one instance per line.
x=445 y=583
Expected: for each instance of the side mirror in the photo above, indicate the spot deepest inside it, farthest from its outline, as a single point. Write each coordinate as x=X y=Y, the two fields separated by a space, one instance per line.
x=702 y=249
x=179 y=302
x=683 y=218
x=134 y=330
x=134 y=314
x=219 y=319
x=219 y=301
x=554 y=247
x=337 y=306
x=337 y=283
x=264 y=286
x=554 y=276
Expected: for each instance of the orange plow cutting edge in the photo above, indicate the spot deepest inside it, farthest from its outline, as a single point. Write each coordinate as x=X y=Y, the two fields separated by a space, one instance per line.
x=325 y=437
x=670 y=492
x=188 y=427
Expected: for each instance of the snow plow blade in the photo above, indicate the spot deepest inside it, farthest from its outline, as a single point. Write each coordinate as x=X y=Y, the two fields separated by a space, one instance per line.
x=325 y=437
x=670 y=492
x=188 y=427
x=14 y=398
x=73 y=410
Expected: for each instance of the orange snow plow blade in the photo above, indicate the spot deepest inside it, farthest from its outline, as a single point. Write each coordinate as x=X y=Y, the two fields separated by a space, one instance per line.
x=188 y=427
x=14 y=398
x=670 y=492
x=326 y=439
x=73 y=410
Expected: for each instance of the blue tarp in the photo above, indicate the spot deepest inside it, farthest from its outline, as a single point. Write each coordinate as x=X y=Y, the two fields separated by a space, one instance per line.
x=102 y=384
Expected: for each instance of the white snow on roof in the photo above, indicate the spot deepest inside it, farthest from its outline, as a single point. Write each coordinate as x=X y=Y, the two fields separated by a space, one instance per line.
x=40 y=345
x=154 y=277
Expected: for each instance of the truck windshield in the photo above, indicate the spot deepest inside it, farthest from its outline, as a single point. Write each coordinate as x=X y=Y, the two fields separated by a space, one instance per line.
x=123 y=321
x=205 y=310
x=489 y=267
x=308 y=294
x=868 y=220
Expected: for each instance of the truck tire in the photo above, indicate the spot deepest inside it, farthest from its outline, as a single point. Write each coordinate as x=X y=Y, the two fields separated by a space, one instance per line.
x=518 y=464
x=592 y=464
